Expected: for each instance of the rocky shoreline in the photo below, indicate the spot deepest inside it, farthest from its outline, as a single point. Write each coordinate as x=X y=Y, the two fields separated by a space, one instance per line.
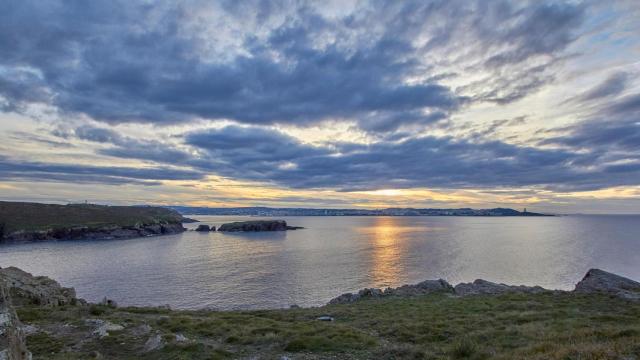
x=23 y=290
x=594 y=281
x=111 y=232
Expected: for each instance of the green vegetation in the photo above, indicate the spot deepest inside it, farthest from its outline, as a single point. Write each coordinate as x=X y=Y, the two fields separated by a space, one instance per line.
x=16 y=216
x=439 y=326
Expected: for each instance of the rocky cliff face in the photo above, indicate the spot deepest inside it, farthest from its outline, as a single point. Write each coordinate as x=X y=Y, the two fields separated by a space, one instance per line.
x=26 y=289
x=12 y=338
x=101 y=233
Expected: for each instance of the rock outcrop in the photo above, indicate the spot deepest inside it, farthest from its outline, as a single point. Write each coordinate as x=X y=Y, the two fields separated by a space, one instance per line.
x=205 y=228
x=13 y=345
x=24 y=288
x=257 y=225
x=423 y=288
x=600 y=281
x=484 y=287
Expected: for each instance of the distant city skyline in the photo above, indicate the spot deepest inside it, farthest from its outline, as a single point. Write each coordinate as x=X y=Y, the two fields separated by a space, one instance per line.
x=337 y=104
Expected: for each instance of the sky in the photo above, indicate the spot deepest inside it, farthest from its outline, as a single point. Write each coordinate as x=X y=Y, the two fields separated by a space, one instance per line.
x=346 y=104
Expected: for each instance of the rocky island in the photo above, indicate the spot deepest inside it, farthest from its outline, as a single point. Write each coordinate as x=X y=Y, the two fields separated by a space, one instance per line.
x=20 y=222
x=600 y=319
x=257 y=225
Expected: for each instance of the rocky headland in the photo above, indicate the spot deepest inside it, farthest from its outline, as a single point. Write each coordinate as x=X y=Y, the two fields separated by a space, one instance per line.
x=441 y=321
x=24 y=222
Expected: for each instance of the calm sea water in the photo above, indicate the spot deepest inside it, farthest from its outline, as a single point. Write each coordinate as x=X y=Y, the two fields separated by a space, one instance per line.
x=331 y=256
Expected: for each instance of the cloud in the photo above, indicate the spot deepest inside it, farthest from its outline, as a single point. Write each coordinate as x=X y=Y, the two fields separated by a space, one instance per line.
x=379 y=65
x=612 y=131
x=434 y=162
x=70 y=173
x=613 y=85
x=130 y=148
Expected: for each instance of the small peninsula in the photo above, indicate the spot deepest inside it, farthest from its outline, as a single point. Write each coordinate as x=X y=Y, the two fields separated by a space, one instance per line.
x=21 y=222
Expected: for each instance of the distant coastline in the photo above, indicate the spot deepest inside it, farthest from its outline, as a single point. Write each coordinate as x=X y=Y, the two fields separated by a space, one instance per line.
x=267 y=211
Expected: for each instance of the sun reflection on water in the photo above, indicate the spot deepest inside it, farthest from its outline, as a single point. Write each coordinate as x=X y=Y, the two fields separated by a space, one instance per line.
x=388 y=236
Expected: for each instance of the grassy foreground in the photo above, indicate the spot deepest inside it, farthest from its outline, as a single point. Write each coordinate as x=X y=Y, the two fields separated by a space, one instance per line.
x=16 y=216
x=437 y=326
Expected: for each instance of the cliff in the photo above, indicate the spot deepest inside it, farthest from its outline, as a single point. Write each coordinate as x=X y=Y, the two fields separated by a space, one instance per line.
x=13 y=343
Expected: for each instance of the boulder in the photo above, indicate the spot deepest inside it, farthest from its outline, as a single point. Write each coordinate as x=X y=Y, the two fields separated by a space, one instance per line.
x=203 y=228
x=25 y=288
x=103 y=327
x=484 y=287
x=13 y=344
x=181 y=338
x=600 y=281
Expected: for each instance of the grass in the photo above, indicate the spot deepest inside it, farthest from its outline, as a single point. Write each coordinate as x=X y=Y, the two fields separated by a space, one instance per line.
x=16 y=216
x=540 y=326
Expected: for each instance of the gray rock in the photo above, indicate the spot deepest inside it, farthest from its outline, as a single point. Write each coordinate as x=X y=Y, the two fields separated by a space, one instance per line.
x=25 y=288
x=600 y=281
x=155 y=342
x=181 y=338
x=325 y=318
x=103 y=327
x=141 y=330
x=423 y=288
x=13 y=343
x=29 y=329
x=484 y=287
x=203 y=228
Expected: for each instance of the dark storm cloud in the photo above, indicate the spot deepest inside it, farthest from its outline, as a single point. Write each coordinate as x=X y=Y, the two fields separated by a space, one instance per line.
x=130 y=148
x=144 y=63
x=245 y=145
x=38 y=171
x=258 y=153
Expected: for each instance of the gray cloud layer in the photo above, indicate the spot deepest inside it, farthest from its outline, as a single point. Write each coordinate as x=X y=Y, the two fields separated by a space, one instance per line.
x=386 y=66
x=142 y=63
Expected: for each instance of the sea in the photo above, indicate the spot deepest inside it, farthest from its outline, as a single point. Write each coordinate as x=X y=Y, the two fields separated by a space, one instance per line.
x=331 y=256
